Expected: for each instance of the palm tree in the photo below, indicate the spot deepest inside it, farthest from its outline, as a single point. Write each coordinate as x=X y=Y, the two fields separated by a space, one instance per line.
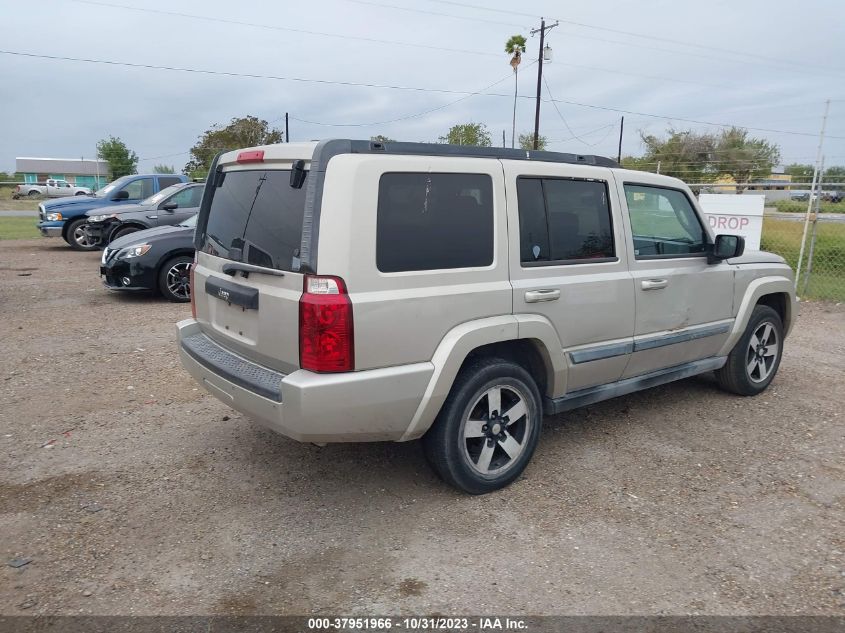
x=515 y=47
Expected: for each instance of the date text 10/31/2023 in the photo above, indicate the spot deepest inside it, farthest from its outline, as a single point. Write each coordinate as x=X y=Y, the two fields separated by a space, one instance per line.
x=422 y=623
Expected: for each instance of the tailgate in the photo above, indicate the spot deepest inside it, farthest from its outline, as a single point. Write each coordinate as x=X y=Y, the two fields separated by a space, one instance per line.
x=247 y=283
x=229 y=306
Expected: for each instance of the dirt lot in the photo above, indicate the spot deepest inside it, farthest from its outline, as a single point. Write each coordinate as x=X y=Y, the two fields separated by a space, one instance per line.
x=134 y=492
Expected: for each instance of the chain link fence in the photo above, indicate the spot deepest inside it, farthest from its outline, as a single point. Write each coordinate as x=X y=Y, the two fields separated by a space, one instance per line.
x=823 y=264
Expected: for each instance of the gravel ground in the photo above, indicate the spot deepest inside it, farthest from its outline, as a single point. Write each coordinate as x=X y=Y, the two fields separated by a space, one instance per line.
x=133 y=492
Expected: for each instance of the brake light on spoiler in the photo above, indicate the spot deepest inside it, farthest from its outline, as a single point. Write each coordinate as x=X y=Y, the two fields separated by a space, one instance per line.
x=253 y=156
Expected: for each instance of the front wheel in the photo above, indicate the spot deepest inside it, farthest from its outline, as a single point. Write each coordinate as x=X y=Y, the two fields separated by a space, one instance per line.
x=80 y=193
x=754 y=360
x=488 y=428
x=174 y=279
x=78 y=237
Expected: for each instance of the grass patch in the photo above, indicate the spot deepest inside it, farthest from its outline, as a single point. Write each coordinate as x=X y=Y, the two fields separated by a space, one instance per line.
x=827 y=279
x=797 y=206
x=18 y=229
x=24 y=204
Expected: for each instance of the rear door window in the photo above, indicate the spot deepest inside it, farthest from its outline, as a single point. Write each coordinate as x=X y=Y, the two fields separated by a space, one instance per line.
x=166 y=181
x=430 y=221
x=564 y=221
x=256 y=218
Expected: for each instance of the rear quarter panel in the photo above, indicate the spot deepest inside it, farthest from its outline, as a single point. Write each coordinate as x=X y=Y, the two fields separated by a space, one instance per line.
x=401 y=317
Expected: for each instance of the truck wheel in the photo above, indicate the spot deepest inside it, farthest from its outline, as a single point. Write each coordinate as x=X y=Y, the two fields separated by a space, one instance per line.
x=754 y=360
x=488 y=428
x=174 y=279
x=79 y=193
x=121 y=231
x=33 y=194
x=78 y=238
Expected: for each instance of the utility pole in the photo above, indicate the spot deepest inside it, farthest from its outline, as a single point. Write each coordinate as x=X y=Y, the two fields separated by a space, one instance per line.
x=619 y=153
x=812 y=190
x=287 y=130
x=542 y=31
x=504 y=142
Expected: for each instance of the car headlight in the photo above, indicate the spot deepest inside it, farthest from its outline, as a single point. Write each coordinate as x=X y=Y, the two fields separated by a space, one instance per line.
x=54 y=217
x=101 y=218
x=133 y=251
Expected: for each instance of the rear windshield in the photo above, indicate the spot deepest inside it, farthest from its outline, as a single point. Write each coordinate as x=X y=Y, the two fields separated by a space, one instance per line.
x=256 y=217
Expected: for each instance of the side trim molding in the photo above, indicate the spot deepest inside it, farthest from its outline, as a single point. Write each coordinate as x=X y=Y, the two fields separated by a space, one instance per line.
x=591 y=395
x=600 y=351
x=691 y=334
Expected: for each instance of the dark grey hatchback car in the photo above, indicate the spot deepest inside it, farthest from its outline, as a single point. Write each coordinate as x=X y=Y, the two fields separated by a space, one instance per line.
x=168 y=207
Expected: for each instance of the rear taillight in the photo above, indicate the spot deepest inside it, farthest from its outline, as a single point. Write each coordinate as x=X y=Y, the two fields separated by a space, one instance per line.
x=326 y=341
x=18 y=188
x=193 y=294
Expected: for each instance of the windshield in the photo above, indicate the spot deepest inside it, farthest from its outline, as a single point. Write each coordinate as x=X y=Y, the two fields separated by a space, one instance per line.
x=161 y=195
x=191 y=222
x=106 y=191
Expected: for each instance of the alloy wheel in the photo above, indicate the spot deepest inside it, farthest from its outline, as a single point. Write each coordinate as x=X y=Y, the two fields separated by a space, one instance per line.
x=762 y=352
x=496 y=431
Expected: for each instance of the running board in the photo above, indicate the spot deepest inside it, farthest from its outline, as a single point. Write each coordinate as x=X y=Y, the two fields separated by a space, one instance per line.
x=591 y=395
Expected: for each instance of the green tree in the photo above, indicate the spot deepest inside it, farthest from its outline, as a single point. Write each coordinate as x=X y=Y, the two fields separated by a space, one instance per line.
x=834 y=173
x=515 y=47
x=381 y=138
x=686 y=155
x=122 y=160
x=245 y=131
x=639 y=163
x=799 y=172
x=526 y=141
x=744 y=158
x=468 y=134
x=164 y=169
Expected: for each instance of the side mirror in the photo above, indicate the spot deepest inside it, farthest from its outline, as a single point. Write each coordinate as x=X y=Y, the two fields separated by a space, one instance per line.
x=727 y=246
x=121 y=195
x=169 y=206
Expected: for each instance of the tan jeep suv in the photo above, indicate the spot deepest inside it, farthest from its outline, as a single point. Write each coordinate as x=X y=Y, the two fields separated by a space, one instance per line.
x=350 y=291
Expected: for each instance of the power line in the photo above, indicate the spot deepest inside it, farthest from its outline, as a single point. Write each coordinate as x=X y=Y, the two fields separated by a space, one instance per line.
x=633 y=34
x=283 y=28
x=436 y=13
x=409 y=116
x=372 y=40
x=395 y=87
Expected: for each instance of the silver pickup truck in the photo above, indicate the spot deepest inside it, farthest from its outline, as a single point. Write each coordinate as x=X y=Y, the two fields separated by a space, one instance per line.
x=51 y=189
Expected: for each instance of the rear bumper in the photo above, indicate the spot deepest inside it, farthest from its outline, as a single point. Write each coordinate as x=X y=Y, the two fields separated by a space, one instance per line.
x=360 y=406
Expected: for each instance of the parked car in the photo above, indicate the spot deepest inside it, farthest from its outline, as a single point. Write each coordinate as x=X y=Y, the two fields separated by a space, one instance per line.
x=52 y=189
x=157 y=259
x=65 y=217
x=358 y=291
x=172 y=205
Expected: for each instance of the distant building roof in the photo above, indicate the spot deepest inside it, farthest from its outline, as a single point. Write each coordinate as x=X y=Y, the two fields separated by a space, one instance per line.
x=69 y=166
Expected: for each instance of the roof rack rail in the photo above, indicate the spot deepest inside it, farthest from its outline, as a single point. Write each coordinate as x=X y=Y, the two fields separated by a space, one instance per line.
x=328 y=148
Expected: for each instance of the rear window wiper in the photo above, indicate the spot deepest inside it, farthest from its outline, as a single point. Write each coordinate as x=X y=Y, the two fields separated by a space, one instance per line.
x=232 y=267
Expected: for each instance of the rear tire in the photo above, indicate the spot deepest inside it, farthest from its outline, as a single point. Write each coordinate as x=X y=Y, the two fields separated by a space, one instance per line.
x=33 y=194
x=78 y=238
x=488 y=428
x=754 y=360
x=174 y=279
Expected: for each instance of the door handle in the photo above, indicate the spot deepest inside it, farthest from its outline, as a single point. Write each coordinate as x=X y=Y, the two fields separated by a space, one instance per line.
x=536 y=296
x=654 y=284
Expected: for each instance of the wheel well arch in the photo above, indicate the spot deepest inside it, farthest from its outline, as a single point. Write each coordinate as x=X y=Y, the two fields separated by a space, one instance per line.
x=779 y=302
x=179 y=252
x=530 y=354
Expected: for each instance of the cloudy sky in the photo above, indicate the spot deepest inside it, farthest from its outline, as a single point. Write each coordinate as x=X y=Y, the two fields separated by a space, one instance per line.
x=409 y=69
